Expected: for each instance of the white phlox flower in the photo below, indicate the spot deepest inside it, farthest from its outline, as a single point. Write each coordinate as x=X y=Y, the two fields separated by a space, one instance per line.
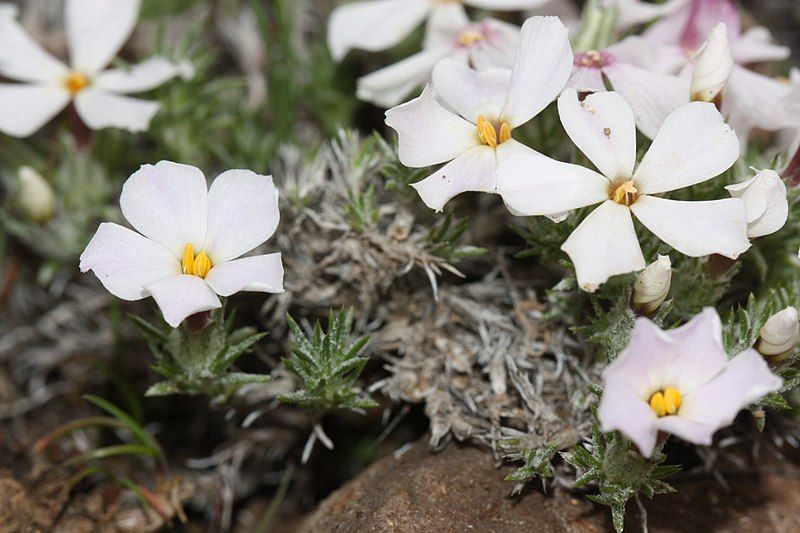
x=189 y=238
x=485 y=44
x=694 y=145
x=767 y=205
x=96 y=30
x=375 y=25
x=474 y=132
x=680 y=382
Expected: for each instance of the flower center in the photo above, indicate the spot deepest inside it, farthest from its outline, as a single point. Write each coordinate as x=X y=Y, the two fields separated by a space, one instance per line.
x=470 y=37
x=489 y=134
x=592 y=59
x=195 y=265
x=666 y=402
x=76 y=82
x=624 y=193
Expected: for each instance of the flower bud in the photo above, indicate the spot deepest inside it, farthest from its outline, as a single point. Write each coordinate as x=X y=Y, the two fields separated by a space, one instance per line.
x=765 y=198
x=713 y=66
x=652 y=286
x=779 y=335
x=35 y=195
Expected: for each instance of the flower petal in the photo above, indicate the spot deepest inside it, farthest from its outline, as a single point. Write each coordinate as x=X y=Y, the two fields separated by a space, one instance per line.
x=375 y=25
x=652 y=95
x=587 y=79
x=506 y=5
x=242 y=213
x=602 y=127
x=21 y=58
x=125 y=261
x=533 y=184
x=622 y=410
x=745 y=379
x=542 y=66
x=469 y=92
x=696 y=229
x=472 y=171
x=765 y=198
x=444 y=25
x=755 y=46
x=167 y=202
x=180 y=296
x=139 y=78
x=428 y=133
x=100 y=109
x=498 y=48
x=259 y=273
x=634 y=12
x=688 y=430
x=693 y=145
x=97 y=29
x=389 y=86
x=26 y=108
x=755 y=100
x=604 y=245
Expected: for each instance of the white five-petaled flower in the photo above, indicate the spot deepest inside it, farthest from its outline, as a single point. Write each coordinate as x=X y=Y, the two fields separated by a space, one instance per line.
x=375 y=25
x=764 y=196
x=484 y=44
x=477 y=135
x=96 y=30
x=680 y=382
x=189 y=239
x=693 y=146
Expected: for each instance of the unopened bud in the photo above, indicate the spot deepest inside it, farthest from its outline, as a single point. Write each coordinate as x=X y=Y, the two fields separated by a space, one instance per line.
x=764 y=197
x=779 y=335
x=652 y=286
x=713 y=67
x=35 y=195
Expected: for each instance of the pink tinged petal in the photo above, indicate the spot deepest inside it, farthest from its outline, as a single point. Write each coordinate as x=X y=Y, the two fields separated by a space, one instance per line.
x=704 y=15
x=542 y=66
x=139 y=78
x=21 y=58
x=604 y=245
x=533 y=184
x=507 y=5
x=125 y=261
x=641 y=52
x=634 y=12
x=745 y=379
x=669 y=30
x=445 y=24
x=688 y=430
x=472 y=171
x=622 y=410
x=587 y=79
x=97 y=29
x=260 y=273
x=469 y=92
x=693 y=146
x=428 y=133
x=652 y=95
x=699 y=354
x=100 y=109
x=374 y=25
x=755 y=46
x=242 y=213
x=167 y=202
x=389 y=86
x=765 y=198
x=602 y=127
x=181 y=295
x=696 y=229
x=24 y=109
x=643 y=363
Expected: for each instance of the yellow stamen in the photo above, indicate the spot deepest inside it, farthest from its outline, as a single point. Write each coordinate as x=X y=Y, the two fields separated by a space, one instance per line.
x=76 y=82
x=487 y=133
x=666 y=402
x=187 y=263
x=202 y=264
x=470 y=37
x=192 y=265
x=624 y=193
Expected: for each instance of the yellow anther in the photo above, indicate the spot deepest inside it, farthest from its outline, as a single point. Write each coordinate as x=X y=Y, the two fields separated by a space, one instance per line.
x=470 y=37
x=192 y=265
x=187 y=264
x=487 y=133
x=76 y=82
x=666 y=402
x=202 y=264
x=624 y=193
